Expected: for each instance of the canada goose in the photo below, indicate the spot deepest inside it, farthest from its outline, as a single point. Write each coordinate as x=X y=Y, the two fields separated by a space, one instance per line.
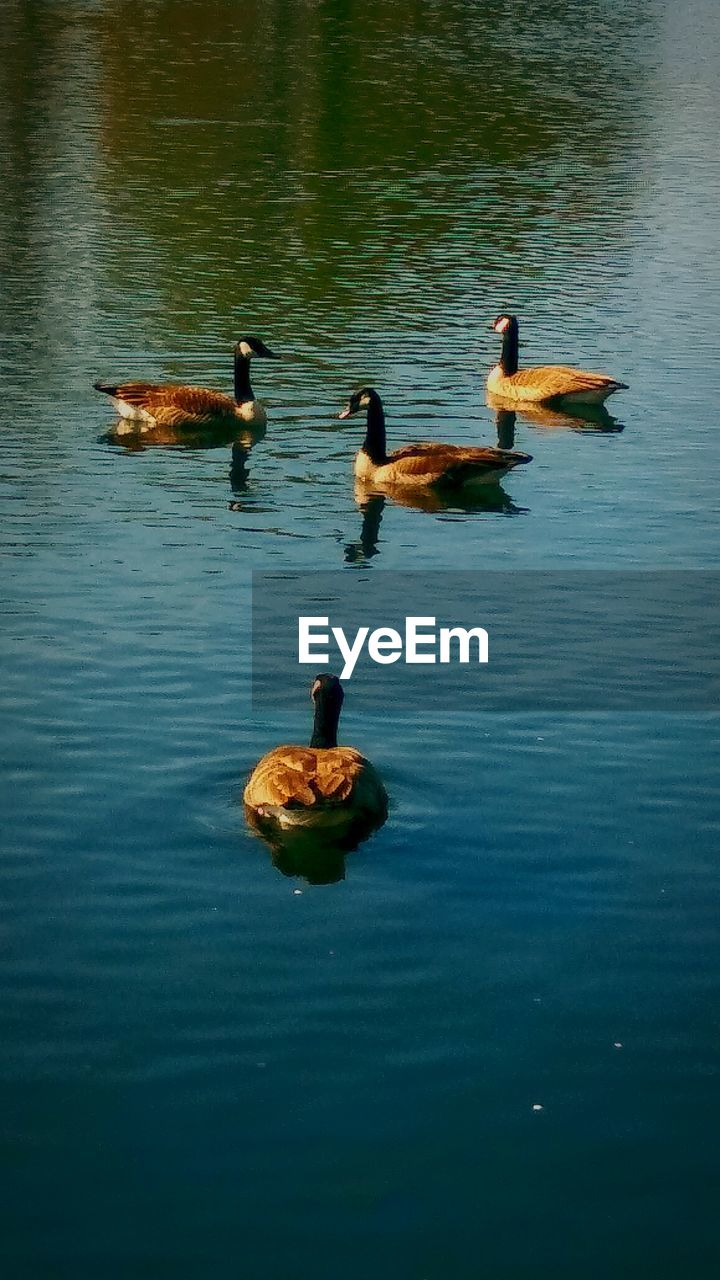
x=323 y=786
x=546 y=381
x=169 y=405
x=422 y=465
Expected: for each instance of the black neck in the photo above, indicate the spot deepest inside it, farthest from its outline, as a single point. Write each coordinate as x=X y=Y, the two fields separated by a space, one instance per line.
x=509 y=353
x=243 y=390
x=325 y=725
x=374 y=443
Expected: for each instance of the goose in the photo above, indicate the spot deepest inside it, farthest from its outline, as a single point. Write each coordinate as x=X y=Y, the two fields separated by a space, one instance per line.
x=170 y=405
x=421 y=466
x=322 y=786
x=544 y=382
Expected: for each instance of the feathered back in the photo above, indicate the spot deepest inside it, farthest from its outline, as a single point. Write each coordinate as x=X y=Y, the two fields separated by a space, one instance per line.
x=169 y=405
x=423 y=465
x=291 y=777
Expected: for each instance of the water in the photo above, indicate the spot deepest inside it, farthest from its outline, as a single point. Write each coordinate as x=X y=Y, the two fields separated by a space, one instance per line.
x=204 y=1071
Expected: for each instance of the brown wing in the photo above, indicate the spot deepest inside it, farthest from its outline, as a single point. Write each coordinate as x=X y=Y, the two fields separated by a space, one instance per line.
x=292 y=777
x=551 y=381
x=170 y=404
x=427 y=449
x=426 y=461
x=454 y=463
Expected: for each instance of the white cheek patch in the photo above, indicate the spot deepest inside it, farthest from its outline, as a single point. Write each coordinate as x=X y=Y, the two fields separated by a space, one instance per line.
x=246 y=350
x=502 y=325
x=364 y=402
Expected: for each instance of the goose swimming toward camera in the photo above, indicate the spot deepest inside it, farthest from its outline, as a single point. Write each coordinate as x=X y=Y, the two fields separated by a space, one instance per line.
x=422 y=465
x=153 y=404
x=544 y=382
x=323 y=785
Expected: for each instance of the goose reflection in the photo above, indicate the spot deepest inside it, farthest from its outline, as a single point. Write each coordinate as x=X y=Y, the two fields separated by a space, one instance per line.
x=127 y=435
x=487 y=499
x=239 y=474
x=505 y=427
x=585 y=417
x=309 y=855
x=372 y=506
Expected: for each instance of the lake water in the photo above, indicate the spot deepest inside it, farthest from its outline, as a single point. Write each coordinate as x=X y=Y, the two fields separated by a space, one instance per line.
x=206 y=1073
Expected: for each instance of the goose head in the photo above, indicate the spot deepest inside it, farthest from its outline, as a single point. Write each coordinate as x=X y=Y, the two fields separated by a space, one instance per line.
x=327 y=691
x=249 y=346
x=358 y=401
x=504 y=324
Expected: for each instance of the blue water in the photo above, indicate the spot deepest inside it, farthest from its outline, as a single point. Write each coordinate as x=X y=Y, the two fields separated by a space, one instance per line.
x=210 y=1068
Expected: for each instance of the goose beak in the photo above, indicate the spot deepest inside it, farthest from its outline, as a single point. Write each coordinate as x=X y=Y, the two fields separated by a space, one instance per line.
x=346 y=412
x=270 y=355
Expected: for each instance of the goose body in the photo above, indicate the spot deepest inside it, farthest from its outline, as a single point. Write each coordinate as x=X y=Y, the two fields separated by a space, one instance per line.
x=426 y=465
x=322 y=786
x=150 y=404
x=543 y=383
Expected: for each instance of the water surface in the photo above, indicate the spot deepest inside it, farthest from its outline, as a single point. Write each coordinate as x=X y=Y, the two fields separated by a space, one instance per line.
x=204 y=1071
